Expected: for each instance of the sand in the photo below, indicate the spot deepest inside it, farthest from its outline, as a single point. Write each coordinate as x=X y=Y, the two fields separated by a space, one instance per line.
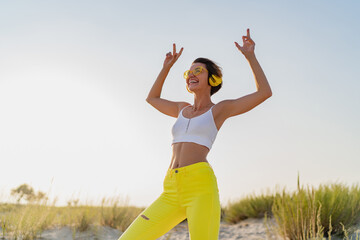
x=250 y=229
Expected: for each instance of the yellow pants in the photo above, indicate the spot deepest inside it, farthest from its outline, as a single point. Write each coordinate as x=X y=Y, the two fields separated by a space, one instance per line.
x=188 y=192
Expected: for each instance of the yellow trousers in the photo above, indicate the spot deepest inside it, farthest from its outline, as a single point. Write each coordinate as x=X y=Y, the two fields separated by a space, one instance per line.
x=188 y=192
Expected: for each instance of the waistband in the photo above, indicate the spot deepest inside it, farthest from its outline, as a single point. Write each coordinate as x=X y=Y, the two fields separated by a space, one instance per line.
x=189 y=168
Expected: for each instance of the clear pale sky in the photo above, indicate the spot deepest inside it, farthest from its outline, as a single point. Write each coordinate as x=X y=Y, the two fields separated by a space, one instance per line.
x=74 y=76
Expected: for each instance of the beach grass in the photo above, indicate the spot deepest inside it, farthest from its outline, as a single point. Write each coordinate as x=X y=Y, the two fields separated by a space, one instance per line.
x=251 y=206
x=28 y=221
x=307 y=213
x=314 y=213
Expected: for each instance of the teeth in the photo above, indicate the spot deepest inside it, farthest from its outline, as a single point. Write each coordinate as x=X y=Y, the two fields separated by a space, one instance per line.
x=193 y=81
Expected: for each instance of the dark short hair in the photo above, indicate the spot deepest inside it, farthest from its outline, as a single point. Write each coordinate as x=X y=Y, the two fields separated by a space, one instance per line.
x=213 y=69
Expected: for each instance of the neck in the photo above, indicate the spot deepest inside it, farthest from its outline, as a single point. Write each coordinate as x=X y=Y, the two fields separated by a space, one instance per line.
x=201 y=102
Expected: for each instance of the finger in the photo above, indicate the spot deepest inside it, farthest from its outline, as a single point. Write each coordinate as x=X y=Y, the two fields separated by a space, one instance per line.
x=178 y=54
x=238 y=46
x=181 y=51
x=244 y=39
x=174 y=48
x=248 y=33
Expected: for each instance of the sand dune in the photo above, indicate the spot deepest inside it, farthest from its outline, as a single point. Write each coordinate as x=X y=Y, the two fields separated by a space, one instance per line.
x=250 y=229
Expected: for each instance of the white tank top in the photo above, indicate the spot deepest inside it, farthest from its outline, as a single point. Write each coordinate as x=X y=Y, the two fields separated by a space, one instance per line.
x=200 y=129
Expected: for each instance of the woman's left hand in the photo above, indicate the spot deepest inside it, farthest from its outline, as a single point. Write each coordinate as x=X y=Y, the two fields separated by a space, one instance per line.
x=248 y=45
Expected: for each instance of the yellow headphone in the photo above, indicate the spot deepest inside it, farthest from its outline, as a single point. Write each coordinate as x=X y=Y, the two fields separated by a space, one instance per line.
x=214 y=80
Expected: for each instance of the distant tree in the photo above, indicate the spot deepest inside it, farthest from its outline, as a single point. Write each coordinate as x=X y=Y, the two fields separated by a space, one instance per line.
x=73 y=202
x=40 y=196
x=23 y=191
x=27 y=193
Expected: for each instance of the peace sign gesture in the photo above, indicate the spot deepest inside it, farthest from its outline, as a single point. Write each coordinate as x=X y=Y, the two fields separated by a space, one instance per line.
x=172 y=58
x=248 y=45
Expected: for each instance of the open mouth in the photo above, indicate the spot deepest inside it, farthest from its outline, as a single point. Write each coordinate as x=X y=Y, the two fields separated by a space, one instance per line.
x=193 y=81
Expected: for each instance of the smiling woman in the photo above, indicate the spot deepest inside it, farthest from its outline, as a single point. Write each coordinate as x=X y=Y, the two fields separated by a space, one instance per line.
x=213 y=71
x=190 y=186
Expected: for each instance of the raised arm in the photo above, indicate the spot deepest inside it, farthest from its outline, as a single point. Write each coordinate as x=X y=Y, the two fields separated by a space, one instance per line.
x=165 y=106
x=233 y=107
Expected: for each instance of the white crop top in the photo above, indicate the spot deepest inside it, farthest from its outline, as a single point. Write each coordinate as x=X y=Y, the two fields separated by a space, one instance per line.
x=200 y=129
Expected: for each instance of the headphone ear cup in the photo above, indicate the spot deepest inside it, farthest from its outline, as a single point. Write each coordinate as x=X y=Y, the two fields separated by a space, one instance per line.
x=211 y=81
x=214 y=80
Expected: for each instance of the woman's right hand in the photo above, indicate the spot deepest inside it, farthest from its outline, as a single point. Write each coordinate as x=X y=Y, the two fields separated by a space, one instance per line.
x=172 y=58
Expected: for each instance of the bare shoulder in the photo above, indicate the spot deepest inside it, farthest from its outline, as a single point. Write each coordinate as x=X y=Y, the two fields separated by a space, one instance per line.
x=222 y=111
x=219 y=107
x=181 y=105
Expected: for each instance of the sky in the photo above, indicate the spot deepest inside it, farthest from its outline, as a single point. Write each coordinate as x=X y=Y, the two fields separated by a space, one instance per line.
x=74 y=77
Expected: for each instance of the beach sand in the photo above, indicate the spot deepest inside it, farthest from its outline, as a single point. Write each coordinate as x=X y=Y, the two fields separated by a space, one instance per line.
x=250 y=229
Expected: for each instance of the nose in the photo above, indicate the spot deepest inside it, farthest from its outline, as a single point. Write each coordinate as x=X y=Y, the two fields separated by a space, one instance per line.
x=191 y=74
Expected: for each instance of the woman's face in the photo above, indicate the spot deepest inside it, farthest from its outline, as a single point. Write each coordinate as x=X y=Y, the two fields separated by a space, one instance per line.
x=197 y=82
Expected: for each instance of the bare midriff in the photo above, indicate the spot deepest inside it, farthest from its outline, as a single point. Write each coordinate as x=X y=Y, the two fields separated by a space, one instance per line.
x=187 y=153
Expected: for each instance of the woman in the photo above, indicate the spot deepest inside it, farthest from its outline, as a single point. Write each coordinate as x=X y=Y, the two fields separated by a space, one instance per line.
x=190 y=185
